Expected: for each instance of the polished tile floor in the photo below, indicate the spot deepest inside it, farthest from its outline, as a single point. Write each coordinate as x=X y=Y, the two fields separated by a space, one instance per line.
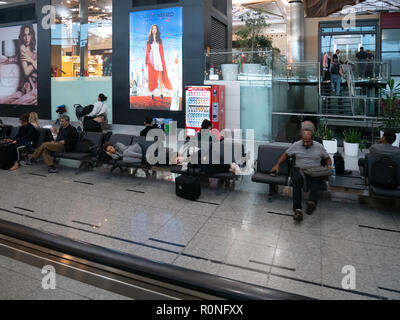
x=230 y=232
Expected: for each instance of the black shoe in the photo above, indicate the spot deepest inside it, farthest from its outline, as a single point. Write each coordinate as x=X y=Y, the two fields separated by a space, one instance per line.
x=162 y=97
x=53 y=170
x=310 y=207
x=298 y=215
x=152 y=97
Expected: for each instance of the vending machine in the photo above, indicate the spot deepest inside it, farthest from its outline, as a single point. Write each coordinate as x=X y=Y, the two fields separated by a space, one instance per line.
x=204 y=102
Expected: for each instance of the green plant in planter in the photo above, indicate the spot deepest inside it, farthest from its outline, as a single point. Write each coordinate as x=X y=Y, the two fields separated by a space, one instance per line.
x=324 y=132
x=354 y=136
x=251 y=37
x=391 y=107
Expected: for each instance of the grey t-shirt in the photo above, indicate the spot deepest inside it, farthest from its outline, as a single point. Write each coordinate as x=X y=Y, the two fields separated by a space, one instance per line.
x=384 y=148
x=307 y=157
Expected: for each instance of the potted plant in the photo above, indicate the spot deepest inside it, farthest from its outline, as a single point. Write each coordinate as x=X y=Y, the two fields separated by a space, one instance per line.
x=352 y=142
x=390 y=106
x=250 y=37
x=326 y=134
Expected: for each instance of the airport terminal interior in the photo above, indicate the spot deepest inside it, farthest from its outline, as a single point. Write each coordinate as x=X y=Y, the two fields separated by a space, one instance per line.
x=182 y=170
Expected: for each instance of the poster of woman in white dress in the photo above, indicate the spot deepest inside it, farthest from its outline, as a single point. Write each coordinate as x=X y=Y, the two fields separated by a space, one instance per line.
x=156 y=59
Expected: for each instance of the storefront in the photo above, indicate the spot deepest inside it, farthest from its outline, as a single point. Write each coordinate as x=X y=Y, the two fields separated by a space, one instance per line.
x=84 y=47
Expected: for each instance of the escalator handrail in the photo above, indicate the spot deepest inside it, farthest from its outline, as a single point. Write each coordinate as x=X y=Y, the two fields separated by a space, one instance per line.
x=175 y=275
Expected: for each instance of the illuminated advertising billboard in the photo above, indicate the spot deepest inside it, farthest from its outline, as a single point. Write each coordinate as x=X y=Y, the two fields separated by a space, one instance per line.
x=156 y=59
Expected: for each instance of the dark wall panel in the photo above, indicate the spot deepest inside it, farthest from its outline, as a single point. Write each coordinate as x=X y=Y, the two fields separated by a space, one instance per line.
x=193 y=58
x=23 y=15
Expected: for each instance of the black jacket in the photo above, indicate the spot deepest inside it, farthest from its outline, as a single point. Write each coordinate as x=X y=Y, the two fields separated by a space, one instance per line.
x=146 y=130
x=70 y=135
x=26 y=134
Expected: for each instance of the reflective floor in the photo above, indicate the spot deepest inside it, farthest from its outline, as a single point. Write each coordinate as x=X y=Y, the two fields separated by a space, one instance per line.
x=232 y=232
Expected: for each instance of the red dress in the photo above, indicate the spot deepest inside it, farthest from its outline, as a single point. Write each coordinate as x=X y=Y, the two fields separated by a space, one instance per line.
x=153 y=74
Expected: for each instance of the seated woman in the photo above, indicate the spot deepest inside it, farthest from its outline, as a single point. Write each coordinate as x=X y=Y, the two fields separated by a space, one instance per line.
x=24 y=139
x=129 y=154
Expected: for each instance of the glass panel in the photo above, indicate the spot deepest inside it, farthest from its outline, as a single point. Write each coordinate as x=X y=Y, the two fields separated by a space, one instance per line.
x=391 y=49
x=286 y=127
x=88 y=44
x=100 y=39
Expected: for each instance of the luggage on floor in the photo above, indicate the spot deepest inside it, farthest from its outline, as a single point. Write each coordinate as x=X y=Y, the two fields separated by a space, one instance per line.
x=188 y=187
x=8 y=155
x=384 y=173
x=339 y=163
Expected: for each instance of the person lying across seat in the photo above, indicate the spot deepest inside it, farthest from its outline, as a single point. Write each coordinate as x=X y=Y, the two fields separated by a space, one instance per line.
x=209 y=161
x=119 y=151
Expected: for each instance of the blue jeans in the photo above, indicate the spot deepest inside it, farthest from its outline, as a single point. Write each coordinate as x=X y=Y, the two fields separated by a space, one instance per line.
x=336 y=79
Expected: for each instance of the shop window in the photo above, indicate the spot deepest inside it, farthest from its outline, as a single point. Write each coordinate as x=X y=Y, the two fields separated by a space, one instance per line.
x=81 y=40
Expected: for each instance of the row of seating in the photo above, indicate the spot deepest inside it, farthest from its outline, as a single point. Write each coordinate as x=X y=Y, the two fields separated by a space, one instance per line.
x=268 y=156
x=91 y=157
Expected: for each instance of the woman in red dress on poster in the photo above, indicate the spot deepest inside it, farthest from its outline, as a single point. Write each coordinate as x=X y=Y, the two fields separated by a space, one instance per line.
x=155 y=62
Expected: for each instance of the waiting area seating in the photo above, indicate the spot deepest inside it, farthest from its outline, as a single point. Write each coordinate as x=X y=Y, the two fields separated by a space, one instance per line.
x=268 y=156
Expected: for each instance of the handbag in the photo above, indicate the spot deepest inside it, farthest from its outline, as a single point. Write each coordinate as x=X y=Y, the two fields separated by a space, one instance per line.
x=319 y=171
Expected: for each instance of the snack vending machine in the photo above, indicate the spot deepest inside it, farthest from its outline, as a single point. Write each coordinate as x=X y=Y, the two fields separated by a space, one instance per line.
x=204 y=102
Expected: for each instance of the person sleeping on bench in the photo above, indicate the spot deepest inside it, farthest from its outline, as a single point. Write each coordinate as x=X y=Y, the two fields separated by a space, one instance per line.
x=128 y=154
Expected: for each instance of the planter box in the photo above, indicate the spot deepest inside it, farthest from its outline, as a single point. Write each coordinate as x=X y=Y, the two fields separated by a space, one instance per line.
x=230 y=71
x=330 y=146
x=351 y=149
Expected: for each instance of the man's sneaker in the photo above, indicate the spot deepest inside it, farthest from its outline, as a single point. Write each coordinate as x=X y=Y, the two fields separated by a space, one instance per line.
x=298 y=215
x=52 y=170
x=310 y=207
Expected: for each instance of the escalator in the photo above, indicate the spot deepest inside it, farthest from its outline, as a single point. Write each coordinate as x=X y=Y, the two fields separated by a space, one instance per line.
x=131 y=276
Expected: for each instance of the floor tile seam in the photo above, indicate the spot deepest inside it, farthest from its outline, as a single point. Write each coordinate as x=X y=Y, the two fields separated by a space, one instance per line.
x=276 y=248
x=370 y=266
x=198 y=230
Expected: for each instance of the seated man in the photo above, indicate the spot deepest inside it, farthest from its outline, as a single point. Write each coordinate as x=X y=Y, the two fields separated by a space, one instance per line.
x=129 y=154
x=308 y=154
x=93 y=124
x=149 y=125
x=66 y=140
x=383 y=147
x=307 y=126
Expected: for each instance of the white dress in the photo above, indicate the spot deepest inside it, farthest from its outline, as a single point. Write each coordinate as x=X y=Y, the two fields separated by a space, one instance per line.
x=155 y=57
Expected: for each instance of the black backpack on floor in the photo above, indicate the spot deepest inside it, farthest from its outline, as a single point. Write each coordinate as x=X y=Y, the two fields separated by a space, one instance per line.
x=384 y=173
x=187 y=187
x=339 y=163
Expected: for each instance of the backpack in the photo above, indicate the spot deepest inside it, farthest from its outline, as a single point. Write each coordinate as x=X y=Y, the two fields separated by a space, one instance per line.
x=384 y=173
x=335 y=68
x=187 y=187
x=339 y=163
